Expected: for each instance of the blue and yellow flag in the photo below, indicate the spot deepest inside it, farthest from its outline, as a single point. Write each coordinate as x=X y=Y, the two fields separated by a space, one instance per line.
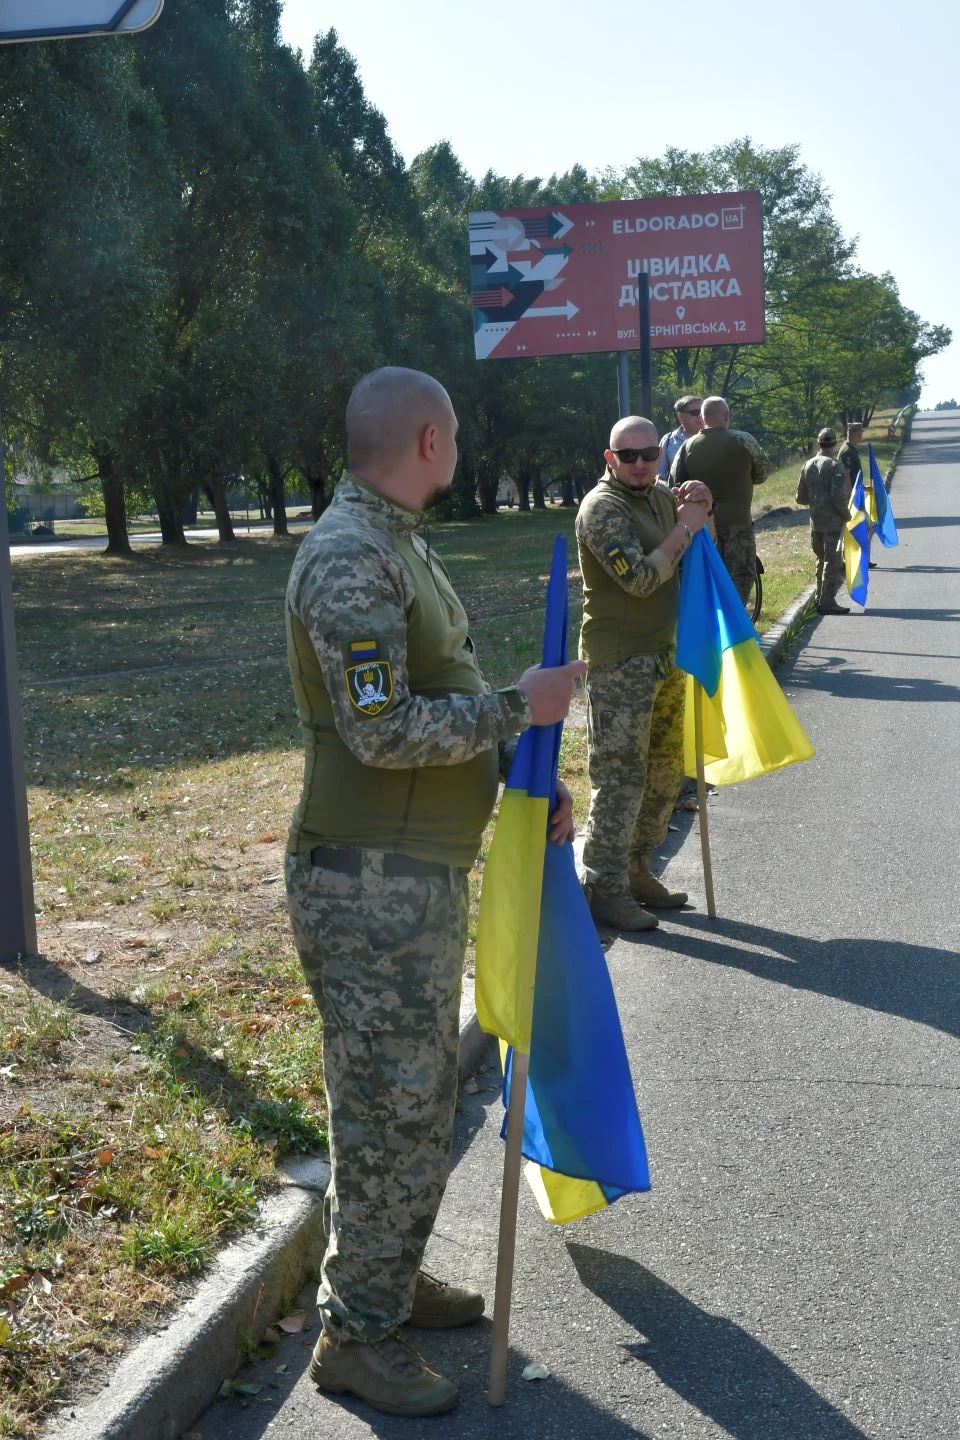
x=881 y=513
x=749 y=728
x=542 y=983
x=856 y=543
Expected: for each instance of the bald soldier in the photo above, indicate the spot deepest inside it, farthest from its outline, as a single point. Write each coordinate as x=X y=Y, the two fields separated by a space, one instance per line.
x=730 y=463
x=402 y=737
x=631 y=534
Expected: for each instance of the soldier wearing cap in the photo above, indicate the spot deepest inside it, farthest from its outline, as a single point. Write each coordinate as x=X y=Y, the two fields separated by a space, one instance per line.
x=401 y=735
x=730 y=463
x=849 y=457
x=825 y=487
x=631 y=534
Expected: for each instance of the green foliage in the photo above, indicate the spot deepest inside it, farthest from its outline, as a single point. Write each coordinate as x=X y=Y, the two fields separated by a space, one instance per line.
x=204 y=242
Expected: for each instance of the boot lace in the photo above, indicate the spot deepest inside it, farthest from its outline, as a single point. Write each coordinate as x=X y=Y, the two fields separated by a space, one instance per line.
x=401 y=1357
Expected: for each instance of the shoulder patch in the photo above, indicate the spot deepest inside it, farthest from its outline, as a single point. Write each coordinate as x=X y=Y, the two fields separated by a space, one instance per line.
x=618 y=560
x=369 y=686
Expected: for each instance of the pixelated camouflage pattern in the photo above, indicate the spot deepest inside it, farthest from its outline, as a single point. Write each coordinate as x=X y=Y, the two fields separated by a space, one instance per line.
x=635 y=761
x=827 y=545
x=738 y=550
x=350 y=581
x=823 y=486
x=383 y=956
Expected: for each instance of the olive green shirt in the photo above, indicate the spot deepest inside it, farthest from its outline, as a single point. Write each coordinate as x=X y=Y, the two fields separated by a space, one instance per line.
x=400 y=729
x=730 y=463
x=631 y=591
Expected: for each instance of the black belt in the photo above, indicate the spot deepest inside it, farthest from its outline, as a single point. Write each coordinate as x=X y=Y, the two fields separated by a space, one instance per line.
x=348 y=861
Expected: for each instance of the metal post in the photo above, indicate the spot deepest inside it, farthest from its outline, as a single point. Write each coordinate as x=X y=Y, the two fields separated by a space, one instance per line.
x=18 y=925
x=623 y=382
x=646 y=358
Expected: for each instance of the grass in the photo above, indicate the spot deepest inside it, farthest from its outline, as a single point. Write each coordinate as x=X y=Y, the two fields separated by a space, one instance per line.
x=164 y=1051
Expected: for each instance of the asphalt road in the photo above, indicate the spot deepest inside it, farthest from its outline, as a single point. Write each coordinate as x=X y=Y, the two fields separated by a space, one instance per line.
x=794 y=1273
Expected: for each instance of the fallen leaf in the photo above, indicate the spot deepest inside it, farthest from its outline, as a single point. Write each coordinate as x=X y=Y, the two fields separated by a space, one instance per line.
x=246 y=1387
x=92 y=956
x=150 y=1152
x=293 y=1000
x=292 y=1324
x=470 y=1087
x=137 y=944
x=535 y=1371
x=105 y=1155
x=15 y=1283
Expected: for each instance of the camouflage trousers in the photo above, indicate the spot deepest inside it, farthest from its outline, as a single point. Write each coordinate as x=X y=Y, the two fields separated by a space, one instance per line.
x=738 y=551
x=383 y=956
x=635 y=761
x=827 y=545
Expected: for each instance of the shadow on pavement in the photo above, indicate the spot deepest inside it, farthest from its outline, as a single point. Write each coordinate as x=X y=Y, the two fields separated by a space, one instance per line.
x=837 y=676
x=915 y=982
x=708 y=1360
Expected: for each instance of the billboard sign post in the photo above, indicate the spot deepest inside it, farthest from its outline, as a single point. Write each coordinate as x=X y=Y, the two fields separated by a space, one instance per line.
x=563 y=279
x=22 y=20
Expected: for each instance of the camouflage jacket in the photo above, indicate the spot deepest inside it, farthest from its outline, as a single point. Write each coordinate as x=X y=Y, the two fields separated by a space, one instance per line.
x=823 y=486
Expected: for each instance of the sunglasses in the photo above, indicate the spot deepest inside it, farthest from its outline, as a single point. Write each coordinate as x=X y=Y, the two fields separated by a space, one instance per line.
x=630 y=457
x=691 y=412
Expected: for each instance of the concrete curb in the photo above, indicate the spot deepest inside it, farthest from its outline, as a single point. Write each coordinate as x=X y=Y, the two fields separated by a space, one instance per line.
x=159 y=1388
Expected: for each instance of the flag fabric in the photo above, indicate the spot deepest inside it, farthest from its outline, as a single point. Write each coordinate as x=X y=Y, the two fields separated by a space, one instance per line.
x=542 y=984
x=749 y=728
x=885 y=527
x=856 y=544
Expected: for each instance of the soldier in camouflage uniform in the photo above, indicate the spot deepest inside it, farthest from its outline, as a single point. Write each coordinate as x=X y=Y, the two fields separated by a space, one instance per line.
x=631 y=534
x=401 y=735
x=825 y=487
x=730 y=463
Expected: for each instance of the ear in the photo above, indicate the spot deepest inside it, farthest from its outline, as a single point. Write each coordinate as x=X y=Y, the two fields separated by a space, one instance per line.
x=610 y=458
x=428 y=441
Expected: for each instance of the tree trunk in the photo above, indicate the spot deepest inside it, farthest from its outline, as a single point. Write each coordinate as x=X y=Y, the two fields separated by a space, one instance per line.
x=318 y=496
x=278 y=499
x=536 y=479
x=114 y=506
x=523 y=486
x=170 y=515
x=220 y=507
x=568 y=501
x=487 y=483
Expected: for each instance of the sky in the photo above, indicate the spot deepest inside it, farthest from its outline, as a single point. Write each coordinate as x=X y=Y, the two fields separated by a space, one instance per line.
x=869 y=91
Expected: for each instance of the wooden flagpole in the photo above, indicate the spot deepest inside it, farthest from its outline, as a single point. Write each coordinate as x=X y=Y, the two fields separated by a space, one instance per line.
x=702 y=798
x=509 y=1197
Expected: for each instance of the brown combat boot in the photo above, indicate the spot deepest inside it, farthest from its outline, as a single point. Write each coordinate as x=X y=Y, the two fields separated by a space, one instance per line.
x=620 y=912
x=645 y=887
x=388 y=1374
x=439 y=1306
x=830 y=607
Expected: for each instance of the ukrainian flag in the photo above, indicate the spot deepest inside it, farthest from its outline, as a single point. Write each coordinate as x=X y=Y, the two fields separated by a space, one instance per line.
x=542 y=983
x=856 y=544
x=749 y=728
x=885 y=527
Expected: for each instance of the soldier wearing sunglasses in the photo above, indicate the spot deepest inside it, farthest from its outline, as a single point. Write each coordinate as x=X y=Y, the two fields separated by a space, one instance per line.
x=631 y=534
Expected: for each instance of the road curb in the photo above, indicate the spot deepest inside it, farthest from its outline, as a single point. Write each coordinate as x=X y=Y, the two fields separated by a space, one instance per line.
x=159 y=1388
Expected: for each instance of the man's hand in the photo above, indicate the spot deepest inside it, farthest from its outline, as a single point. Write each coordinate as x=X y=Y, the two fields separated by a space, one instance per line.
x=693 y=492
x=550 y=691
x=561 y=821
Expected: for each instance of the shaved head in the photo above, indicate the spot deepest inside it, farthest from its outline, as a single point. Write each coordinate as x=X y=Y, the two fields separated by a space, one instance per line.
x=628 y=424
x=387 y=413
x=715 y=411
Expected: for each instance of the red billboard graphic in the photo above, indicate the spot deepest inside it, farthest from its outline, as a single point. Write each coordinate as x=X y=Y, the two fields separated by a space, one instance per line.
x=562 y=279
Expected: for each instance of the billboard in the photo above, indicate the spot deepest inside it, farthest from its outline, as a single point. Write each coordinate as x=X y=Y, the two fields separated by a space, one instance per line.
x=64 y=19
x=562 y=279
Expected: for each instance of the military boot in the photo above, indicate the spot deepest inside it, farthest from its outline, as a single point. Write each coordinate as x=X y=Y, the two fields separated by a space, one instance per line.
x=388 y=1374
x=830 y=607
x=620 y=912
x=439 y=1306
x=645 y=887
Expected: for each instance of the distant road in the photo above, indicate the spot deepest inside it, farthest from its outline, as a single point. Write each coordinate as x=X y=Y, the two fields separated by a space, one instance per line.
x=145 y=537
